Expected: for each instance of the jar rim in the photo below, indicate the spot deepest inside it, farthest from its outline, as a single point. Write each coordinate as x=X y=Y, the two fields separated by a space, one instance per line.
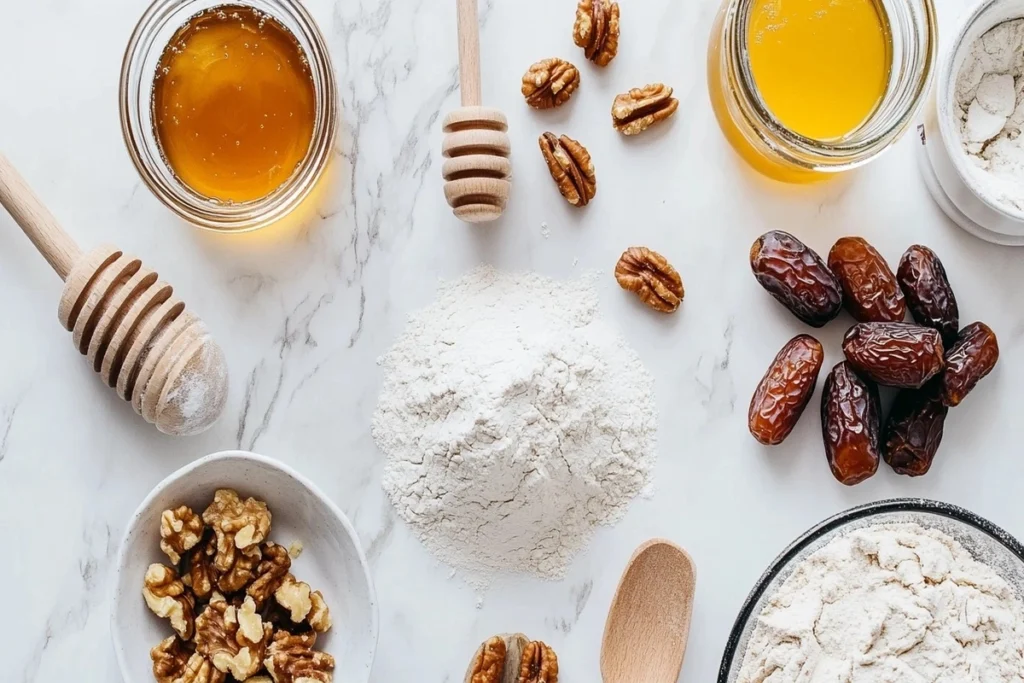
x=135 y=102
x=850 y=150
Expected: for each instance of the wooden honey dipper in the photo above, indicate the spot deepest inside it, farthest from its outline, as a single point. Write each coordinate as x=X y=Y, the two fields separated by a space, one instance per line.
x=136 y=334
x=476 y=146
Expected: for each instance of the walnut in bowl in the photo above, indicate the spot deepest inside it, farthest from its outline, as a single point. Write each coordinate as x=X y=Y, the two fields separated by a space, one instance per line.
x=221 y=590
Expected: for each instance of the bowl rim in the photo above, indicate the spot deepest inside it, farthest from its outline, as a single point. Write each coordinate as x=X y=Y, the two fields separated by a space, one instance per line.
x=234 y=454
x=837 y=521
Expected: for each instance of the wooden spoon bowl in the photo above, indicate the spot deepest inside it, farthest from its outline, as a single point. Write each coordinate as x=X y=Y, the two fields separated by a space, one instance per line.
x=649 y=619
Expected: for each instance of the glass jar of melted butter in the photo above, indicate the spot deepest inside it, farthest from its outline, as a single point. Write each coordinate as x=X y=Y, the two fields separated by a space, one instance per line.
x=236 y=121
x=804 y=89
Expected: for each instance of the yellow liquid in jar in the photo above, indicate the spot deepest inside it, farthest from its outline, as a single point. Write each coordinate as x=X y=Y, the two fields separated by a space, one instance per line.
x=821 y=66
x=234 y=104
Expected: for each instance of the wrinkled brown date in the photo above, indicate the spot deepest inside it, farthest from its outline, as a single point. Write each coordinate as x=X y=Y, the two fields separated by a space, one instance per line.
x=851 y=420
x=973 y=356
x=797 y=277
x=870 y=290
x=913 y=431
x=929 y=295
x=894 y=354
x=785 y=389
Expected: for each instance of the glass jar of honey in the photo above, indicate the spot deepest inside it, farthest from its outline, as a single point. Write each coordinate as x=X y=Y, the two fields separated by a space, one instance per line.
x=804 y=89
x=228 y=109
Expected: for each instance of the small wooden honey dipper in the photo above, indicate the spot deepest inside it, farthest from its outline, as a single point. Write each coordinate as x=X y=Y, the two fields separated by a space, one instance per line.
x=476 y=146
x=136 y=334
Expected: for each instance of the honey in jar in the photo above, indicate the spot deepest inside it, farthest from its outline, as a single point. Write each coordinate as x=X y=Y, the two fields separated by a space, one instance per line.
x=820 y=66
x=234 y=104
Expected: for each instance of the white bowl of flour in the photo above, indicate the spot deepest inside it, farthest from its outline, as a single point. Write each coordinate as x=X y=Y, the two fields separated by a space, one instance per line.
x=901 y=590
x=972 y=150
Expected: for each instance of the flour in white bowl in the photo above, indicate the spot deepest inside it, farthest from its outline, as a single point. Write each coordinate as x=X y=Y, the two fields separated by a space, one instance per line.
x=989 y=104
x=514 y=420
x=889 y=604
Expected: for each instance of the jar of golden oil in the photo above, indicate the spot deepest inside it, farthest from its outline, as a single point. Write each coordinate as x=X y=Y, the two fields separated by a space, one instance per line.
x=804 y=89
x=229 y=110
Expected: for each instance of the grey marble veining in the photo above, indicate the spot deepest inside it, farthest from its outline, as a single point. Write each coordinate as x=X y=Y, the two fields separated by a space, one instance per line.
x=304 y=309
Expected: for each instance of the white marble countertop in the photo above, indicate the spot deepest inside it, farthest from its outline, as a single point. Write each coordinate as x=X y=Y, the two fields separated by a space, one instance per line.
x=302 y=314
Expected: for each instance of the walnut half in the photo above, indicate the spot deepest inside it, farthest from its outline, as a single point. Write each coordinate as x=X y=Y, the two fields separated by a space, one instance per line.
x=173 y=662
x=166 y=596
x=597 y=30
x=181 y=530
x=292 y=659
x=233 y=638
x=651 y=277
x=640 y=108
x=303 y=604
x=239 y=526
x=571 y=168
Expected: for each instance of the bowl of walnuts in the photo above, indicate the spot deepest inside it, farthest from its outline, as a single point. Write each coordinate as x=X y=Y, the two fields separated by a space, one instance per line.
x=237 y=568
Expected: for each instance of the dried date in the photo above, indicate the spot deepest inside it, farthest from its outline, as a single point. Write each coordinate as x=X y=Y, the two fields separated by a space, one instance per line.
x=895 y=354
x=785 y=390
x=971 y=357
x=796 y=276
x=930 y=297
x=850 y=424
x=913 y=430
x=870 y=290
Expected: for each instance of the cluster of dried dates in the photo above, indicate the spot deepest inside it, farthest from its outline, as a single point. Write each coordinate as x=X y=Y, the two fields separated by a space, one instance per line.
x=933 y=362
x=551 y=82
x=513 y=658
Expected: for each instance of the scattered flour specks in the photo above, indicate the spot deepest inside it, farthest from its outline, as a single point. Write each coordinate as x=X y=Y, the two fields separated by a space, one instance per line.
x=513 y=420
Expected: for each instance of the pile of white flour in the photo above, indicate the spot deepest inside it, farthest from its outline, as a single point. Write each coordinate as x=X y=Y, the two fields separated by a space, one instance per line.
x=514 y=420
x=989 y=103
x=889 y=604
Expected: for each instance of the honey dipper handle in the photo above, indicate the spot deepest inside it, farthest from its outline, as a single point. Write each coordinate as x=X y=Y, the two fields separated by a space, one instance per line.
x=59 y=250
x=469 y=53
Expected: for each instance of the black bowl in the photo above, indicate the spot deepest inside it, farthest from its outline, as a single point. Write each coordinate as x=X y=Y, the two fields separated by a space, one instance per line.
x=983 y=539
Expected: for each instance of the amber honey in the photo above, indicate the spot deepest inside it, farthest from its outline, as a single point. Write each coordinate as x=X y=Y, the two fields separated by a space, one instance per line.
x=234 y=104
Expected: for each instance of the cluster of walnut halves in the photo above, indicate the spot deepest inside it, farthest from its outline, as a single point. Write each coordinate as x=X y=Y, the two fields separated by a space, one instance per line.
x=237 y=612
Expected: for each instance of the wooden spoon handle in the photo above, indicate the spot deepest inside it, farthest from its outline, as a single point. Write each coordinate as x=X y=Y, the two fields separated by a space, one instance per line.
x=59 y=250
x=469 y=53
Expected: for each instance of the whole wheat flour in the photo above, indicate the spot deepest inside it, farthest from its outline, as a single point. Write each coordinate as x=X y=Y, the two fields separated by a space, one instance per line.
x=990 y=106
x=513 y=420
x=889 y=604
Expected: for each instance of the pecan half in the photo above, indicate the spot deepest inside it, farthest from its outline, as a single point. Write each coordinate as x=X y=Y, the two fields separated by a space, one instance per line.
x=597 y=30
x=640 y=108
x=489 y=664
x=571 y=168
x=539 y=664
x=651 y=277
x=550 y=83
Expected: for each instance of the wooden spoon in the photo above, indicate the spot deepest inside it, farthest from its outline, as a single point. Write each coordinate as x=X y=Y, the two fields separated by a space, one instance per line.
x=649 y=620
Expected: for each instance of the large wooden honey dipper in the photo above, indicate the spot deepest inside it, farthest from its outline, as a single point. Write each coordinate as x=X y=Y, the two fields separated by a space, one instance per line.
x=476 y=146
x=136 y=334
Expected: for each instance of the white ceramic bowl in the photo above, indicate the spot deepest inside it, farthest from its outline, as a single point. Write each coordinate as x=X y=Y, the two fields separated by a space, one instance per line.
x=331 y=561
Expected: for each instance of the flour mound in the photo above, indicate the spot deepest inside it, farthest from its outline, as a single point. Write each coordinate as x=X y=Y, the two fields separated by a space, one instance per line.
x=513 y=420
x=889 y=604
